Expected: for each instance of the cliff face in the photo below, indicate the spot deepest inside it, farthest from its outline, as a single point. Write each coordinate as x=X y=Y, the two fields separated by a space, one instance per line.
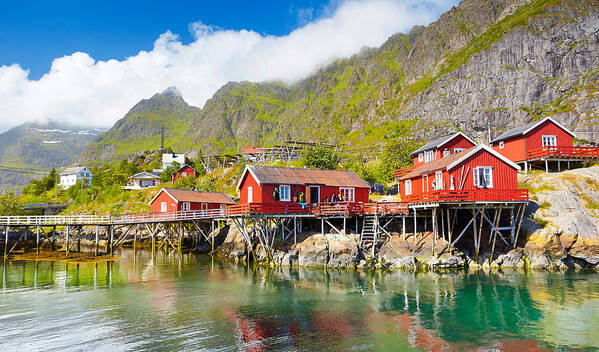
x=497 y=63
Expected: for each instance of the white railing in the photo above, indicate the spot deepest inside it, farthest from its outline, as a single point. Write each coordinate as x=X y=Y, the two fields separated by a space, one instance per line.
x=61 y=220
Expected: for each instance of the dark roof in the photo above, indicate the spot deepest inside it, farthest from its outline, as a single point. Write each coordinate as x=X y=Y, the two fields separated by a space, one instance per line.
x=72 y=170
x=182 y=195
x=521 y=130
x=295 y=176
x=182 y=167
x=435 y=143
x=436 y=164
x=145 y=173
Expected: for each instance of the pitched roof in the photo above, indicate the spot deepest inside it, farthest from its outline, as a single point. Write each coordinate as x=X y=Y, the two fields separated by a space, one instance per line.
x=294 y=176
x=145 y=174
x=524 y=129
x=72 y=170
x=435 y=143
x=182 y=195
x=182 y=167
x=449 y=162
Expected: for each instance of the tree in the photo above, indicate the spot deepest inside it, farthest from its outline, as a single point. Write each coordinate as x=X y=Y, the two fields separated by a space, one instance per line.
x=9 y=204
x=188 y=182
x=167 y=174
x=395 y=155
x=206 y=185
x=320 y=157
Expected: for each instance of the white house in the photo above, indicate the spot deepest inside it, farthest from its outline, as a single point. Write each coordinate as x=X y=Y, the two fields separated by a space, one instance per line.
x=169 y=159
x=71 y=175
x=143 y=180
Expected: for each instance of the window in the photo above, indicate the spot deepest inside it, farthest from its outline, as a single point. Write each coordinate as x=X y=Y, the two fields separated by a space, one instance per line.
x=458 y=150
x=446 y=152
x=438 y=180
x=501 y=145
x=163 y=207
x=429 y=156
x=250 y=194
x=184 y=174
x=420 y=157
x=285 y=193
x=452 y=184
x=348 y=194
x=408 y=184
x=549 y=141
x=185 y=206
x=424 y=183
x=483 y=177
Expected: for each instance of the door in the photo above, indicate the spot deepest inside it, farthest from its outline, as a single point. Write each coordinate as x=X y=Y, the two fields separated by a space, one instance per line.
x=163 y=207
x=314 y=194
x=250 y=194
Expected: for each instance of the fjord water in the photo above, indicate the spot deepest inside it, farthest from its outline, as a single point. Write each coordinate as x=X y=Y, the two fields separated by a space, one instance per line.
x=188 y=302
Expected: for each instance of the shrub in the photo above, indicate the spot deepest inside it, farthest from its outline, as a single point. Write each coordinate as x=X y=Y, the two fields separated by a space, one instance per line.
x=9 y=204
x=320 y=157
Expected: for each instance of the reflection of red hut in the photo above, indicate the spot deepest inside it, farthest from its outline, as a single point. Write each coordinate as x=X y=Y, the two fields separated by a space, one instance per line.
x=184 y=171
x=251 y=331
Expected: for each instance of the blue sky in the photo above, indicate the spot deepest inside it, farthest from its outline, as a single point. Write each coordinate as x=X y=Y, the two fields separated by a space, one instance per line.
x=33 y=33
x=87 y=63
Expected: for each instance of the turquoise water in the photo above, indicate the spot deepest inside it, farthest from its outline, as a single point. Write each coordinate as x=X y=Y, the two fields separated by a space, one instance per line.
x=188 y=302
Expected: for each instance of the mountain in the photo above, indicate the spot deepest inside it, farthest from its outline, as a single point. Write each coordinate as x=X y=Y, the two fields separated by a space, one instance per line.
x=140 y=129
x=490 y=64
x=40 y=146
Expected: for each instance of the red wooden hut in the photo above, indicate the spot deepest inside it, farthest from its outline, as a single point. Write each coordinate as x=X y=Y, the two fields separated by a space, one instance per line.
x=257 y=185
x=184 y=171
x=475 y=174
x=169 y=199
x=545 y=140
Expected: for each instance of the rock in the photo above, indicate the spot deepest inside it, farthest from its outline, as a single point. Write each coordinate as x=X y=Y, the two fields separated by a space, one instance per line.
x=512 y=259
x=313 y=251
x=234 y=246
x=343 y=252
x=396 y=253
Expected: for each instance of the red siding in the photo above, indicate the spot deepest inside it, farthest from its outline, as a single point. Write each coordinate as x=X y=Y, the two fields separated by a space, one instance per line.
x=457 y=142
x=516 y=148
x=263 y=194
x=171 y=204
x=188 y=169
x=504 y=176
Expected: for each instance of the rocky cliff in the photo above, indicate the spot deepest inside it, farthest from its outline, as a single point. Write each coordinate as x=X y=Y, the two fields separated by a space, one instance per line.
x=483 y=64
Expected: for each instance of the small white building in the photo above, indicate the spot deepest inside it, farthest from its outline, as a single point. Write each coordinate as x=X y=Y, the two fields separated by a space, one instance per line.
x=169 y=159
x=71 y=175
x=143 y=179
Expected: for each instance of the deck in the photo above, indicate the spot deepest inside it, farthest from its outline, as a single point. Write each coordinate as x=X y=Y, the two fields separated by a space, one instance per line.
x=470 y=196
x=563 y=152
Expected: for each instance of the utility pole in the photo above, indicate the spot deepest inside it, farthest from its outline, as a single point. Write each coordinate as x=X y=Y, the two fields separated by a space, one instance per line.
x=162 y=129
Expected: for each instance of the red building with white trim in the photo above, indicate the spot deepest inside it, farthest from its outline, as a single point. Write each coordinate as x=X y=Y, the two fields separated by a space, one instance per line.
x=168 y=200
x=478 y=173
x=544 y=140
x=184 y=171
x=441 y=147
x=257 y=185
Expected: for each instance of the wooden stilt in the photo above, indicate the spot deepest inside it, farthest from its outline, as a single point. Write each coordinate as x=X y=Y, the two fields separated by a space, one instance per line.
x=37 y=240
x=403 y=227
x=111 y=244
x=344 y=230
x=476 y=239
x=53 y=236
x=79 y=239
x=212 y=238
x=558 y=166
x=512 y=224
x=68 y=233
x=522 y=213
x=322 y=226
x=495 y=233
x=6 y=241
x=356 y=219
x=442 y=225
x=97 y=240
x=434 y=220
x=449 y=229
x=295 y=230
x=546 y=166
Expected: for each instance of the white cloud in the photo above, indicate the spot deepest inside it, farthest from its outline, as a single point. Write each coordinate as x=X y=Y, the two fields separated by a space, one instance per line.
x=82 y=91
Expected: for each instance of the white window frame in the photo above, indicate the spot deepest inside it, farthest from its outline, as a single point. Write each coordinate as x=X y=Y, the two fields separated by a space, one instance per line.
x=501 y=145
x=429 y=156
x=446 y=153
x=185 y=206
x=438 y=180
x=425 y=182
x=552 y=138
x=488 y=175
x=458 y=150
x=163 y=207
x=348 y=193
x=184 y=174
x=288 y=197
x=420 y=157
x=408 y=187
x=452 y=183
x=250 y=194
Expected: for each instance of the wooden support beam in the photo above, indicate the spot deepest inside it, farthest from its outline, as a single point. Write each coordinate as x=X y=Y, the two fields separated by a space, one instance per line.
x=37 y=240
x=111 y=239
x=68 y=232
x=79 y=239
x=522 y=213
x=415 y=225
x=403 y=227
x=434 y=220
x=496 y=231
x=6 y=242
x=463 y=231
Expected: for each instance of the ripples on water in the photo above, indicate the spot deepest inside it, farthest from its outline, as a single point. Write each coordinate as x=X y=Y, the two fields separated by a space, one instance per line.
x=190 y=302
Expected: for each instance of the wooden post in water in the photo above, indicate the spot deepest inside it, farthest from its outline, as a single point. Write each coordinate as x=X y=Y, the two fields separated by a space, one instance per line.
x=6 y=242
x=79 y=239
x=68 y=233
x=37 y=240
x=97 y=238
x=403 y=227
x=476 y=242
x=53 y=233
x=434 y=219
x=111 y=239
x=496 y=231
x=415 y=225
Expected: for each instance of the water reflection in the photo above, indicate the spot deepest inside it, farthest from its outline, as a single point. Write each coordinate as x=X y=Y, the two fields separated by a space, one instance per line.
x=186 y=302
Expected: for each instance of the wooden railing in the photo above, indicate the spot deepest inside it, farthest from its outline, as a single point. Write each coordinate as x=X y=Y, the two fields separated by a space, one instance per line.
x=56 y=220
x=403 y=171
x=564 y=152
x=479 y=195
